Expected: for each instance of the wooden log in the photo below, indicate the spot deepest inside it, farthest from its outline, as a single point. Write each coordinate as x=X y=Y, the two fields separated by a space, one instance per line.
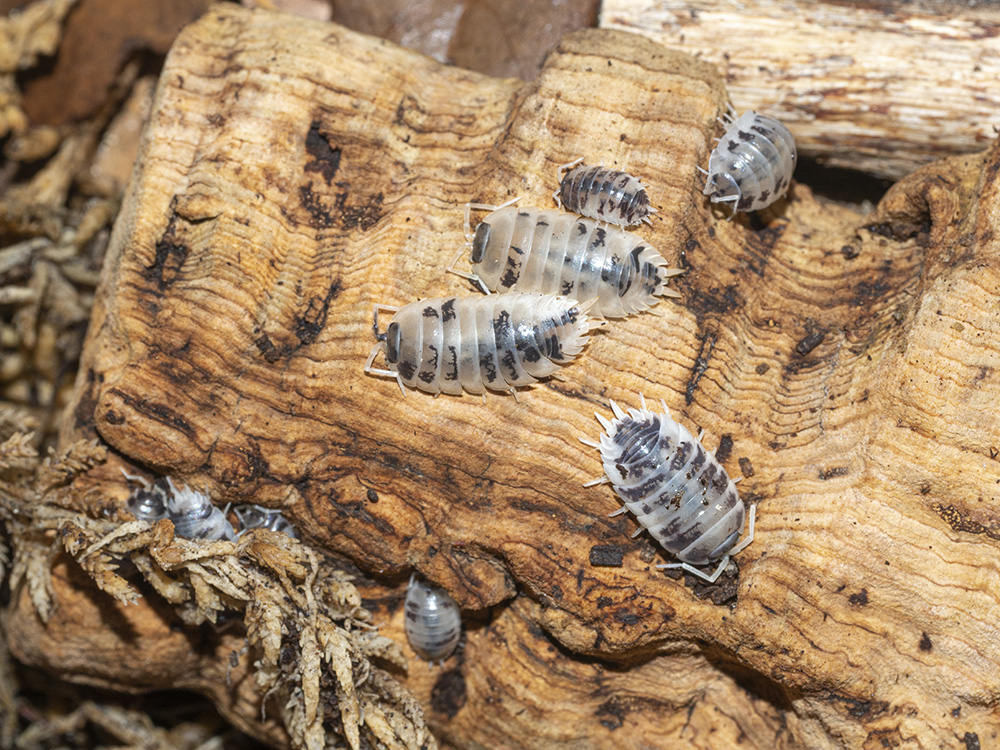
x=295 y=173
x=881 y=87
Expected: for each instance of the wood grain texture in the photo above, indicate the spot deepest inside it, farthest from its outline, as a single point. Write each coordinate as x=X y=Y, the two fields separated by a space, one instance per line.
x=884 y=87
x=295 y=173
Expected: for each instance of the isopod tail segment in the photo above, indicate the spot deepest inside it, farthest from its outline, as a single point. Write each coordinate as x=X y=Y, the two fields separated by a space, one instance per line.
x=470 y=240
x=382 y=346
x=724 y=562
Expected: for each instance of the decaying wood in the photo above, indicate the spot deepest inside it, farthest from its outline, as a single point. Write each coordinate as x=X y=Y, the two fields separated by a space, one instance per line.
x=884 y=87
x=295 y=173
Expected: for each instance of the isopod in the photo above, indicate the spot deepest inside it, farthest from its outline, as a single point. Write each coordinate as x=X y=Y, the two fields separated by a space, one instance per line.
x=148 y=502
x=258 y=517
x=500 y=342
x=607 y=195
x=678 y=491
x=433 y=620
x=192 y=512
x=194 y=516
x=752 y=165
x=556 y=252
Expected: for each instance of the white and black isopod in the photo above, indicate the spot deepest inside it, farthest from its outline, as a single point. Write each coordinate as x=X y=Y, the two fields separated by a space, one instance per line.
x=194 y=516
x=677 y=490
x=556 y=252
x=148 y=502
x=433 y=620
x=752 y=165
x=603 y=194
x=500 y=342
x=258 y=517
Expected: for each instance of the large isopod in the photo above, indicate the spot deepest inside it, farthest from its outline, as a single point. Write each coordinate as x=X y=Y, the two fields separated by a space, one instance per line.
x=752 y=165
x=678 y=491
x=500 y=342
x=607 y=195
x=433 y=620
x=530 y=249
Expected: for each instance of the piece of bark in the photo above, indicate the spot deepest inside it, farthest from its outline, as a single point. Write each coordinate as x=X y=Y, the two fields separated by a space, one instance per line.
x=500 y=39
x=883 y=87
x=295 y=173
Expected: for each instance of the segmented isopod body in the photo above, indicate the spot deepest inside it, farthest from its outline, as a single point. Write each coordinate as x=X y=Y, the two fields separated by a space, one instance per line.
x=500 y=342
x=433 y=620
x=194 y=516
x=258 y=517
x=604 y=194
x=148 y=502
x=677 y=490
x=555 y=252
x=752 y=165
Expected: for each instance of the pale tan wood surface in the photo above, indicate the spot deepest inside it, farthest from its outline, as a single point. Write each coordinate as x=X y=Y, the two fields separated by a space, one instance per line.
x=295 y=173
x=883 y=86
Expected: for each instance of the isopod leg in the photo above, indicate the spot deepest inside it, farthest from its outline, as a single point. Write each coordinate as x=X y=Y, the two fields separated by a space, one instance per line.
x=137 y=479
x=620 y=511
x=380 y=372
x=470 y=276
x=375 y=308
x=723 y=564
x=593 y=482
x=749 y=537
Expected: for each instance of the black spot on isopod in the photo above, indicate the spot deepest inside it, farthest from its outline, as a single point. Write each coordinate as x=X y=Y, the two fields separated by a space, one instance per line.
x=508 y=280
x=859 y=599
x=430 y=312
x=448 y=310
x=406 y=369
x=744 y=203
x=731 y=146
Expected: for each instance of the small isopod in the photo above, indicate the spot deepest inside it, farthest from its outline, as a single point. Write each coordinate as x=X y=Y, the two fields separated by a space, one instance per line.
x=148 y=502
x=752 y=165
x=258 y=517
x=433 y=620
x=607 y=195
x=530 y=249
x=500 y=342
x=194 y=516
x=677 y=490
x=192 y=512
